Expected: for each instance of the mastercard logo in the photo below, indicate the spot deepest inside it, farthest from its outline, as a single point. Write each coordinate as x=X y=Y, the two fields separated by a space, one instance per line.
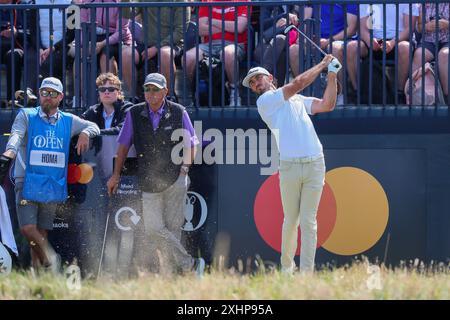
x=352 y=216
x=81 y=173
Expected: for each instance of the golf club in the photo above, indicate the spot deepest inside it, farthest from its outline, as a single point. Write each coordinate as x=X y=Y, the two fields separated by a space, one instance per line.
x=103 y=245
x=307 y=38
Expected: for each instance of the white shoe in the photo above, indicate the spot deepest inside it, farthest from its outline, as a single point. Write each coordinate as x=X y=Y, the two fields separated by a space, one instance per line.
x=199 y=267
x=235 y=100
x=55 y=266
x=288 y=271
x=340 y=100
x=74 y=102
x=5 y=261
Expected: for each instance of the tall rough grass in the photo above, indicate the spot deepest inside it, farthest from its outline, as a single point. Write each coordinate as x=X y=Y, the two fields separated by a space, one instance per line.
x=361 y=280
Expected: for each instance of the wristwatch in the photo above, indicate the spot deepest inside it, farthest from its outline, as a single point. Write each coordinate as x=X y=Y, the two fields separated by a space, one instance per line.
x=185 y=169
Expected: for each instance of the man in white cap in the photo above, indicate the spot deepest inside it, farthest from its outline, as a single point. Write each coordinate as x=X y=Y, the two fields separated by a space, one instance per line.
x=302 y=165
x=150 y=126
x=39 y=143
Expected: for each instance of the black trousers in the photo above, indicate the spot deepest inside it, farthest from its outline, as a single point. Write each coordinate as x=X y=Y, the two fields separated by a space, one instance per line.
x=274 y=57
x=13 y=59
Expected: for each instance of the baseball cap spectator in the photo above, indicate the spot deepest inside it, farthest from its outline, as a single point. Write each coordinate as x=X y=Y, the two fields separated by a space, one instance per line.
x=156 y=79
x=52 y=83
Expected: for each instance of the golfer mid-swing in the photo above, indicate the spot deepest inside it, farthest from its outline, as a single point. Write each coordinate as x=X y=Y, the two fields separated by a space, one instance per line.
x=302 y=165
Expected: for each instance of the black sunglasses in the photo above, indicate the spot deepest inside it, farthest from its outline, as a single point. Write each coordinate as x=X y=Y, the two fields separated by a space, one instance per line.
x=109 y=89
x=46 y=93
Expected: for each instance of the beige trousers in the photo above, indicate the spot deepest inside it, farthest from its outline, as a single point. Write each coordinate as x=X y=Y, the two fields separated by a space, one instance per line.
x=163 y=215
x=301 y=184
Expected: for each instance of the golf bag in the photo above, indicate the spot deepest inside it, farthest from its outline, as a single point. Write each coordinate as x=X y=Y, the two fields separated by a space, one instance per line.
x=204 y=83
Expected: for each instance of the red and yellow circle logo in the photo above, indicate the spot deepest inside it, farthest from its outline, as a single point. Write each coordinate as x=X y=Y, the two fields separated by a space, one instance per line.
x=82 y=173
x=352 y=215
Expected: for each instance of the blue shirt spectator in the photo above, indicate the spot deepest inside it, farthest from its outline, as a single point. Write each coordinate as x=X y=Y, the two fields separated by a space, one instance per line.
x=333 y=18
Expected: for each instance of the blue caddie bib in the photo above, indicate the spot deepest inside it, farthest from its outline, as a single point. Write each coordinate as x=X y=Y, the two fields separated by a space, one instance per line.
x=47 y=157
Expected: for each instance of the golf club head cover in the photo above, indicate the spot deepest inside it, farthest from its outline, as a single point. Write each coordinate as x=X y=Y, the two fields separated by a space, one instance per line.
x=4 y=166
x=334 y=66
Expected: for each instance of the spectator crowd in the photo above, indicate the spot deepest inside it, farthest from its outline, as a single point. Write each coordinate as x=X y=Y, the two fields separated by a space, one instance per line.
x=175 y=40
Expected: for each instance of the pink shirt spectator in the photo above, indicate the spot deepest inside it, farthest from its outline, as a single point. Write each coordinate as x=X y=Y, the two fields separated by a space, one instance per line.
x=112 y=28
x=443 y=13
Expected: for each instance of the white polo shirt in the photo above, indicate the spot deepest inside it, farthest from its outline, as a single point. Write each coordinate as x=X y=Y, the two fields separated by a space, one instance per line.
x=290 y=123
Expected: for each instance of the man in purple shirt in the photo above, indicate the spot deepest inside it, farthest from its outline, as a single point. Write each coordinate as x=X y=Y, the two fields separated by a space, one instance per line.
x=156 y=127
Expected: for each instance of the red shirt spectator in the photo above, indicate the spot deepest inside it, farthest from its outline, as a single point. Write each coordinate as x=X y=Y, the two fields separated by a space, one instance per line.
x=228 y=14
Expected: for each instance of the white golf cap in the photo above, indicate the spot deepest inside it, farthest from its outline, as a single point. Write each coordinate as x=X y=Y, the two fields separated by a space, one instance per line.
x=52 y=83
x=5 y=261
x=156 y=79
x=254 y=72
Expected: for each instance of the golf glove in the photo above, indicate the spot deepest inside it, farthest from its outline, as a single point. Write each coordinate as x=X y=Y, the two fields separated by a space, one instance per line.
x=4 y=167
x=334 y=66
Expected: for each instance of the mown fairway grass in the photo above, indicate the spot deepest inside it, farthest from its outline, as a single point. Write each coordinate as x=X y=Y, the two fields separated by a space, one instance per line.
x=353 y=282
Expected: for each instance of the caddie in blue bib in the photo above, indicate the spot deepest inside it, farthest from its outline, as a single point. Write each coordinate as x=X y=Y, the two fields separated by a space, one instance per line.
x=48 y=156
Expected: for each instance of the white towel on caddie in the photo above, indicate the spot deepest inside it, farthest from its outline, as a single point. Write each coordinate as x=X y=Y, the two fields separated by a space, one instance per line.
x=5 y=224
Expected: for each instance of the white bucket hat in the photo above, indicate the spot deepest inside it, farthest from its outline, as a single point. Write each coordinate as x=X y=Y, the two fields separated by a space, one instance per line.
x=254 y=72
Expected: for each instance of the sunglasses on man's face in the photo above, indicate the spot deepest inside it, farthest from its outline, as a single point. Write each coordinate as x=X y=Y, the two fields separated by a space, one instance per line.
x=46 y=93
x=152 y=89
x=109 y=89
